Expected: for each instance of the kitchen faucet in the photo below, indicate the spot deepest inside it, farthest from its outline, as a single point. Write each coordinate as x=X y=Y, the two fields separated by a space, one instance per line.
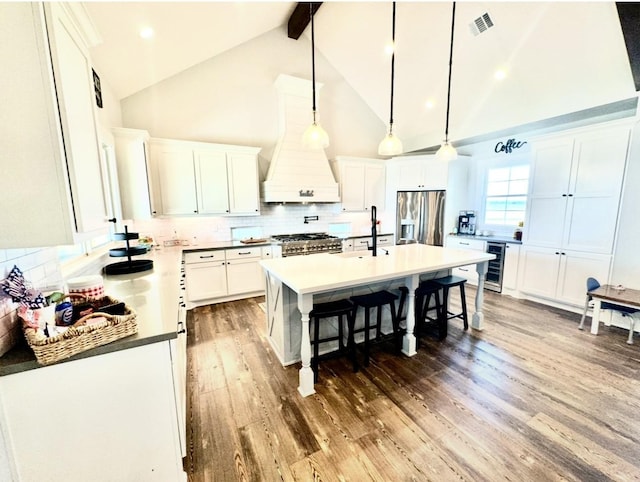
x=374 y=232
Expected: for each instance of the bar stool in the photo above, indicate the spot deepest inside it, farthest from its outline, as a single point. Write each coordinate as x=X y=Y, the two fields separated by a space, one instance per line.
x=423 y=294
x=331 y=309
x=447 y=283
x=377 y=300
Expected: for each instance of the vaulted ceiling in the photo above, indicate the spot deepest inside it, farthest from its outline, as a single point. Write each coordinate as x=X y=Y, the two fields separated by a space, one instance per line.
x=557 y=57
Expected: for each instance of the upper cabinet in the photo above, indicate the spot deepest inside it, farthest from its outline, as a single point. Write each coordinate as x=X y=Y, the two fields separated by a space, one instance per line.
x=132 y=147
x=575 y=188
x=362 y=182
x=51 y=186
x=418 y=173
x=200 y=178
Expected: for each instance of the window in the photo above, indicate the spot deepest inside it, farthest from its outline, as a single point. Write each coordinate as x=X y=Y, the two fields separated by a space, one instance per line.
x=506 y=198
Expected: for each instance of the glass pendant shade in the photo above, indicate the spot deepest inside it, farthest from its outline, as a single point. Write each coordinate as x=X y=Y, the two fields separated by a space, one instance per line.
x=446 y=152
x=390 y=145
x=315 y=137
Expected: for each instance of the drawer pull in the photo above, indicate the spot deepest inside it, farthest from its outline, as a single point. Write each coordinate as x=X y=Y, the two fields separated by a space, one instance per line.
x=240 y=253
x=208 y=256
x=466 y=244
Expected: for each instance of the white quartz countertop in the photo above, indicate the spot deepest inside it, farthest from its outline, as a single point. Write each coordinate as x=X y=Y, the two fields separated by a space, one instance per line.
x=153 y=295
x=326 y=272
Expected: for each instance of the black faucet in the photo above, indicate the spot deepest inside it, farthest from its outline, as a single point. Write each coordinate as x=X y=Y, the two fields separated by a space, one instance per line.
x=374 y=232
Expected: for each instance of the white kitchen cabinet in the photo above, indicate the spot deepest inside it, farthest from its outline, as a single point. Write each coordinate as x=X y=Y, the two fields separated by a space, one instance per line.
x=131 y=148
x=575 y=186
x=469 y=271
x=178 y=348
x=213 y=276
x=244 y=273
x=52 y=188
x=418 y=173
x=102 y=418
x=202 y=178
x=510 y=268
x=362 y=183
x=560 y=275
x=362 y=243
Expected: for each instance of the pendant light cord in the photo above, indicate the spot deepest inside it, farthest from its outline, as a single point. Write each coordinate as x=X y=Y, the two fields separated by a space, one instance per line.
x=313 y=62
x=393 y=58
x=453 y=22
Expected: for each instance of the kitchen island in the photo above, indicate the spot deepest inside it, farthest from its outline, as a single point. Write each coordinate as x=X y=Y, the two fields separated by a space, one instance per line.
x=293 y=283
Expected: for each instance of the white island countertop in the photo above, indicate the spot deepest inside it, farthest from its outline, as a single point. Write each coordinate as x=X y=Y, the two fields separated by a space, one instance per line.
x=328 y=272
x=307 y=276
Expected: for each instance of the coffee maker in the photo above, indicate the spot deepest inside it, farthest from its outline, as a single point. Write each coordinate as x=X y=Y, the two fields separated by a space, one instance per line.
x=467 y=222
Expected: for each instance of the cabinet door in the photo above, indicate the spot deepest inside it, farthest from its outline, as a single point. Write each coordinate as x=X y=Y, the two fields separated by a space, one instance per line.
x=575 y=268
x=175 y=180
x=374 y=186
x=549 y=189
x=244 y=276
x=596 y=184
x=510 y=269
x=206 y=280
x=352 y=186
x=211 y=181
x=244 y=189
x=75 y=93
x=539 y=271
x=133 y=173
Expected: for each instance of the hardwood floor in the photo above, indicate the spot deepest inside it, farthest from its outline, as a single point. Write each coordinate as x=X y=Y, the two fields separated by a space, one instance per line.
x=530 y=398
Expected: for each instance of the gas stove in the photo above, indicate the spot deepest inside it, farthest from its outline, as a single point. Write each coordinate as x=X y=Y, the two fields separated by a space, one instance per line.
x=308 y=243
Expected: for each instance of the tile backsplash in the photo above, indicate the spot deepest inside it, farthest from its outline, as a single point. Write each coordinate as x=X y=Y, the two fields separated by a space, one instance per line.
x=41 y=268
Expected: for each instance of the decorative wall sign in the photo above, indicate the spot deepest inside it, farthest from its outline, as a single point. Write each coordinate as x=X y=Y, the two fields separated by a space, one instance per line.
x=509 y=146
x=97 y=88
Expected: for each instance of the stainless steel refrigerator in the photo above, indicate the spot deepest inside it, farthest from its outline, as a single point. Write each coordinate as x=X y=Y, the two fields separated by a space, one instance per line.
x=420 y=217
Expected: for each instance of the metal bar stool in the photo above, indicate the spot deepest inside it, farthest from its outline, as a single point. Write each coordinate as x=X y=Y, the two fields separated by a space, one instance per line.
x=424 y=292
x=331 y=309
x=377 y=300
x=447 y=283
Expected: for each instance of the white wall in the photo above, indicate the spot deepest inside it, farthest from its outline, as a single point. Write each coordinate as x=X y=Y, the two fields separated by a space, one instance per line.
x=626 y=263
x=231 y=99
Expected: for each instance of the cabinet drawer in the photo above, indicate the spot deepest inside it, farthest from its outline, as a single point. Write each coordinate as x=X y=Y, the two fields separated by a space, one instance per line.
x=361 y=243
x=254 y=252
x=385 y=240
x=203 y=256
x=466 y=243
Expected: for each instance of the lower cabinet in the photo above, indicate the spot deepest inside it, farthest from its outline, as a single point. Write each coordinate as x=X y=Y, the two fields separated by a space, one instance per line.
x=470 y=271
x=363 y=243
x=102 y=418
x=510 y=268
x=560 y=275
x=224 y=274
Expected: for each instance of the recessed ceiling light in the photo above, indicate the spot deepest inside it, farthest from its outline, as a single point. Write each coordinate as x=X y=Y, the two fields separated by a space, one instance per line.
x=500 y=74
x=388 y=49
x=429 y=104
x=146 y=32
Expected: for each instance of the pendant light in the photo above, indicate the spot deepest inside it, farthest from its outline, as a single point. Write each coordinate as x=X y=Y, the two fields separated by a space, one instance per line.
x=391 y=145
x=315 y=137
x=447 y=152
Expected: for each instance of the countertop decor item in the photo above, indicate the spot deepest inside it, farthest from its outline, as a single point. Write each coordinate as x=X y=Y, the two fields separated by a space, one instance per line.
x=391 y=145
x=129 y=266
x=82 y=335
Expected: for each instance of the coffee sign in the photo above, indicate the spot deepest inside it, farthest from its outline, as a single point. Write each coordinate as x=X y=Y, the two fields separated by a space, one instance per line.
x=509 y=146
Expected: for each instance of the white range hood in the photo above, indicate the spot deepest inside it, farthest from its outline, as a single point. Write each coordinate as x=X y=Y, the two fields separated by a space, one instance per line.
x=297 y=174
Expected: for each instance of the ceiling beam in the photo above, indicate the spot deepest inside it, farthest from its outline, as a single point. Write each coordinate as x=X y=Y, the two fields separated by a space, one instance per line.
x=300 y=18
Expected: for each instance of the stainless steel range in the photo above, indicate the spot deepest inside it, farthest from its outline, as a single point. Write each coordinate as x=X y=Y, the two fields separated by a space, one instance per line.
x=308 y=243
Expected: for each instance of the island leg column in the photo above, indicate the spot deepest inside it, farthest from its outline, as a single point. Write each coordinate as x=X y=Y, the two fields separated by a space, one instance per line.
x=409 y=340
x=305 y=381
x=478 y=316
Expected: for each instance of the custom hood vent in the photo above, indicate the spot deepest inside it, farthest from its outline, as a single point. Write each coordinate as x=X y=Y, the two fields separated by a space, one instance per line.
x=297 y=174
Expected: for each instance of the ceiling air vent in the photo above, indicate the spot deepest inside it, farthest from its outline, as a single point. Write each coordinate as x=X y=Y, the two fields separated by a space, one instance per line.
x=480 y=24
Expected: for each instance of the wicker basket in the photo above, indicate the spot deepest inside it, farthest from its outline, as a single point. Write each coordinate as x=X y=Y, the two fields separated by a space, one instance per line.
x=81 y=337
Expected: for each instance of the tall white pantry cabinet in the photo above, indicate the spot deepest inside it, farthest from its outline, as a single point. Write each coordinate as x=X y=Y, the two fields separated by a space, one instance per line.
x=51 y=186
x=575 y=188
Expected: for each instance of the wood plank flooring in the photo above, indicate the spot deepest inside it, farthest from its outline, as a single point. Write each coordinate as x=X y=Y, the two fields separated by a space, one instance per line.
x=530 y=398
